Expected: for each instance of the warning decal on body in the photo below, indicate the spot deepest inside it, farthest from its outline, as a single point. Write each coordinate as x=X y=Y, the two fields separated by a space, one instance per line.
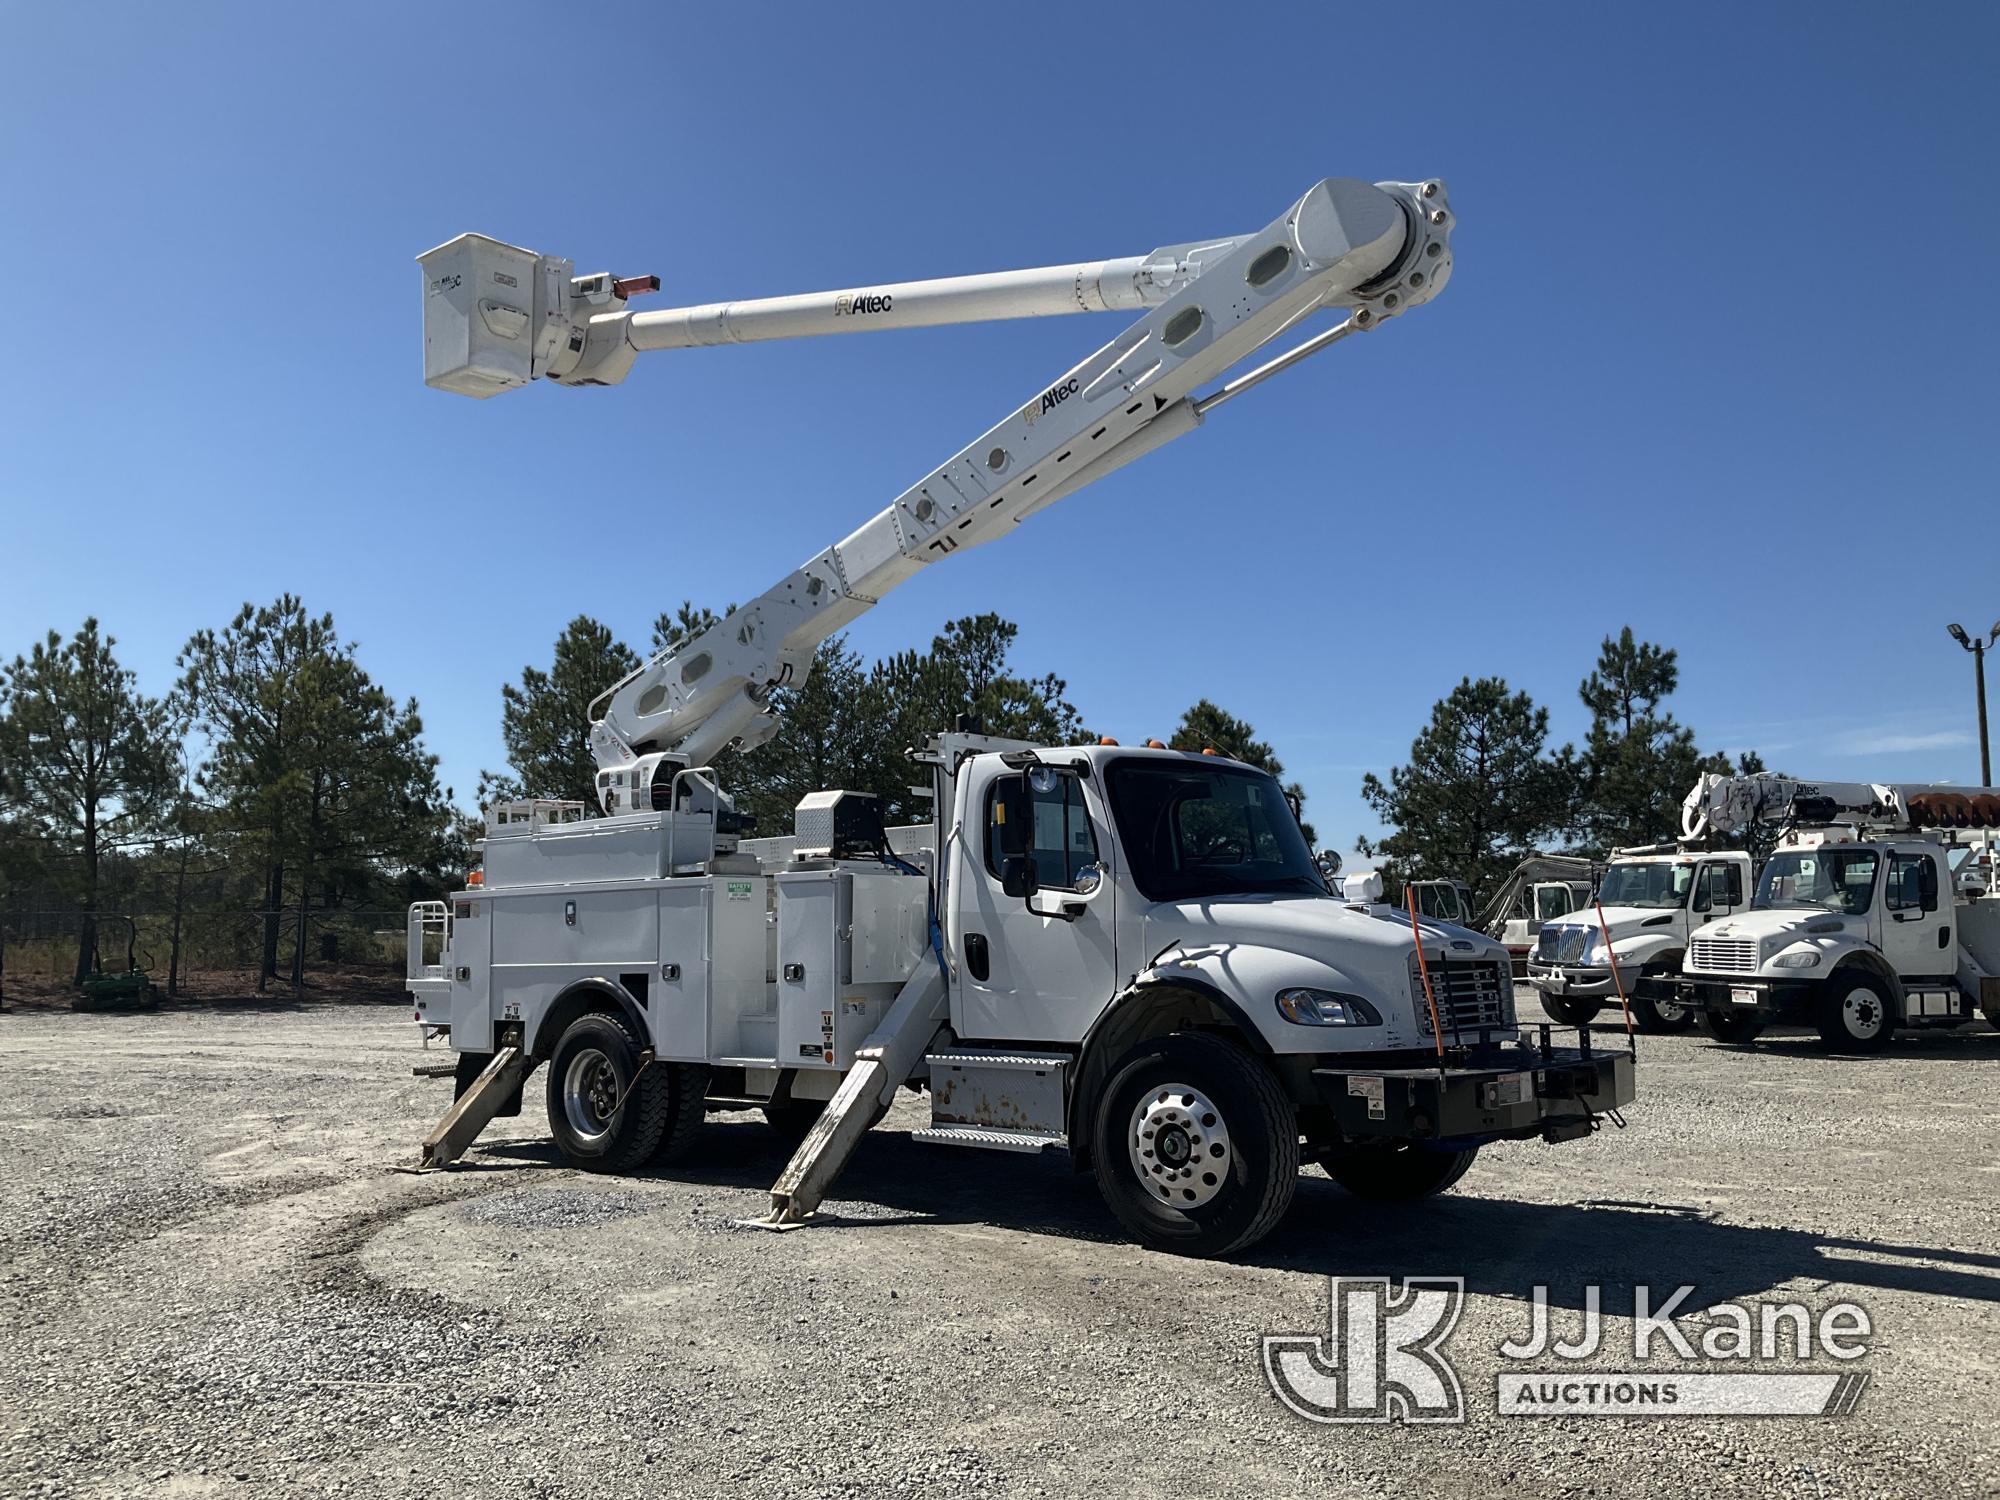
x=1370 y=1089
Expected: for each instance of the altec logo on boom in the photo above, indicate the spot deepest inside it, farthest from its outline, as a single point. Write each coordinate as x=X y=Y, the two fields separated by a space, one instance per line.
x=853 y=304
x=1053 y=397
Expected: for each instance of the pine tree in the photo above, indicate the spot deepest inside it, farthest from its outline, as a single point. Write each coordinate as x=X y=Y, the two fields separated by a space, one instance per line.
x=86 y=760
x=1638 y=763
x=545 y=719
x=1480 y=790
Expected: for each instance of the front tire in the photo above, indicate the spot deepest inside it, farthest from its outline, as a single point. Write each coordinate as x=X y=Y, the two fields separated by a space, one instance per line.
x=1566 y=1012
x=1730 y=1029
x=1197 y=1149
x=1397 y=1174
x=606 y=1113
x=1654 y=1007
x=1853 y=1013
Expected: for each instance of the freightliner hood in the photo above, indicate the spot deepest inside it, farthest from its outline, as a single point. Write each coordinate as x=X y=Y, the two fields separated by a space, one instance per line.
x=1250 y=947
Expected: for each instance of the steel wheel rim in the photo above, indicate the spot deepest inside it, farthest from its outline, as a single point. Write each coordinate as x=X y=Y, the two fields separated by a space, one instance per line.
x=1179 y=1146
x=1862 y=1011
x=1672 y=1012
x=590 y=1093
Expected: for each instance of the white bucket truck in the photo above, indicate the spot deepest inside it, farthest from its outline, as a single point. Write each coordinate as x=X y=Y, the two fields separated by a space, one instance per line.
x=1127 y=953
x=1857 y=926
x=1654 y=900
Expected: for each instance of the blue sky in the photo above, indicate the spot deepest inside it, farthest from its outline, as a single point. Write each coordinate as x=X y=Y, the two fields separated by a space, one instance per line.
x=1716 y=360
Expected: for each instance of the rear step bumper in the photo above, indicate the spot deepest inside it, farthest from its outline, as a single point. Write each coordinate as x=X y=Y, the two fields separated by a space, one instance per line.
x=1554 y=1094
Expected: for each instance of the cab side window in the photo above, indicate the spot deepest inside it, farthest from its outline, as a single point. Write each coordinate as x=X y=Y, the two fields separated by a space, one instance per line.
x=1712 y=890
x=1059 y=838
x=1906 y=882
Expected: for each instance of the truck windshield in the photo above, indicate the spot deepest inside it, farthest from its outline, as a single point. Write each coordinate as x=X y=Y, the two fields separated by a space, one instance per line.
x=1191 y=829
x=1662 y=885
x=1440 y=901
x=1841 y=880
x=1552 y=901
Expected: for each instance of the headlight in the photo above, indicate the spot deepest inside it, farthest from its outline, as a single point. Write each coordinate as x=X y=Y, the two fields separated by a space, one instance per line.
x=1804 y=959
x=1326 y=1008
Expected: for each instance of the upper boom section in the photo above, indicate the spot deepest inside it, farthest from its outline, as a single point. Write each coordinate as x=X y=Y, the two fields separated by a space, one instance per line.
x=497 y=316
x=1724 y=804
x=1206 y=307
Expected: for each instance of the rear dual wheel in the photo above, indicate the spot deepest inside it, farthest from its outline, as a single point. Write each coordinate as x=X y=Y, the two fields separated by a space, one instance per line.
x=608 y=1111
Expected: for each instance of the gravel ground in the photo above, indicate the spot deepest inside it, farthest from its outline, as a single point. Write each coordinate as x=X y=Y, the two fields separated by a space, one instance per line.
x=213 y=1283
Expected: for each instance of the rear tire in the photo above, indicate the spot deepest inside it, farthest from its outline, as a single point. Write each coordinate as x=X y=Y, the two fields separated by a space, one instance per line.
x=793 y=1120
x=687 y=1111
x=1397 y=1174
x=1732 y=1030
x=1197 y=1148
x=606 y=1112
x=470 y=1066
x=1565 y=1012
x=1853 y=1013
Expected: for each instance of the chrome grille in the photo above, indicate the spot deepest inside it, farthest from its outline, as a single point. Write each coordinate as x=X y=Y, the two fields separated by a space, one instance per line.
x=1562 y=945
x=1723 y=955
x=1469 y=996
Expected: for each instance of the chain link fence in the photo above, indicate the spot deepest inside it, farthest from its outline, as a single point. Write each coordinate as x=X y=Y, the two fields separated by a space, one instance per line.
x=349 y=955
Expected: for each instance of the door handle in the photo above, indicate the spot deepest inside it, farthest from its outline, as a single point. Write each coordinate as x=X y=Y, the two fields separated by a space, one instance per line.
x=978 y=961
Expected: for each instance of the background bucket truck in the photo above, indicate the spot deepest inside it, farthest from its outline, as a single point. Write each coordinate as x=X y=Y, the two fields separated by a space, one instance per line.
x=1653 y=900
x=1125 y=952
x=1857 y=926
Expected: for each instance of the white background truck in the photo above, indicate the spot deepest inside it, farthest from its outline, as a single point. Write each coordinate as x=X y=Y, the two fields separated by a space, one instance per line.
x=1128 y=953
x=1856 y=927
x=1539 y=889
x=1654 y=900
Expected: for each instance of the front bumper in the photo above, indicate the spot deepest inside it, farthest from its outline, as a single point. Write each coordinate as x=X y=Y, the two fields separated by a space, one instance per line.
x=1571 y=981
x=1498 y=1093
x=1730 y=994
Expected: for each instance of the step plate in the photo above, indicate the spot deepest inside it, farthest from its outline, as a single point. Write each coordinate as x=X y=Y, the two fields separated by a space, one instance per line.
x=988 y=1139
x=1039 y=1062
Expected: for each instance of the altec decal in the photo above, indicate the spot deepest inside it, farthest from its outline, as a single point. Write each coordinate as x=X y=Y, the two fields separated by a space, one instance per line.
x=852 y=304
x=1053 y=397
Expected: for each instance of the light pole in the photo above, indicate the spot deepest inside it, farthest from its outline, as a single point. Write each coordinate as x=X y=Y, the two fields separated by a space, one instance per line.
x=1978 y=650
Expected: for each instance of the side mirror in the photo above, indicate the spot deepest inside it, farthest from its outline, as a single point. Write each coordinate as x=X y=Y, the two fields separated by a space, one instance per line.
x=1927 y=885
x=1735 y=886
x=1019 y=878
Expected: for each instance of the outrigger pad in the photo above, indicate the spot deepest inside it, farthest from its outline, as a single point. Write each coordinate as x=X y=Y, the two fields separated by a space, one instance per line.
x=474 y=1109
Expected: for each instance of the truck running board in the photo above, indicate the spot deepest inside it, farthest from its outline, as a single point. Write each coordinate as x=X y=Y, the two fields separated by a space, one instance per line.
x=989 y=1139
x=999 y=1101
x=880 y=1066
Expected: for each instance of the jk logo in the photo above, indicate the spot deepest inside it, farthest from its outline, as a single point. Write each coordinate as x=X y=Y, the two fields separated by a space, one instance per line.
x=1382 y=1362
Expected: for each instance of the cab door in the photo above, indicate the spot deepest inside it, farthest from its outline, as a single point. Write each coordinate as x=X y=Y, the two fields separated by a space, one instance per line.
x=1916 y=933
x=1039 y=967
x=1718 y=891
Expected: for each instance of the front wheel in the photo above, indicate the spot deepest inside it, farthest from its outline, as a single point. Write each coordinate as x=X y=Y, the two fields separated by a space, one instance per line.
x=1570 y=1012
x=1396 y=1174
x=1197 y=1149
x=1654 y=1007
x=1732 y=1029
x=1853 y=1013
